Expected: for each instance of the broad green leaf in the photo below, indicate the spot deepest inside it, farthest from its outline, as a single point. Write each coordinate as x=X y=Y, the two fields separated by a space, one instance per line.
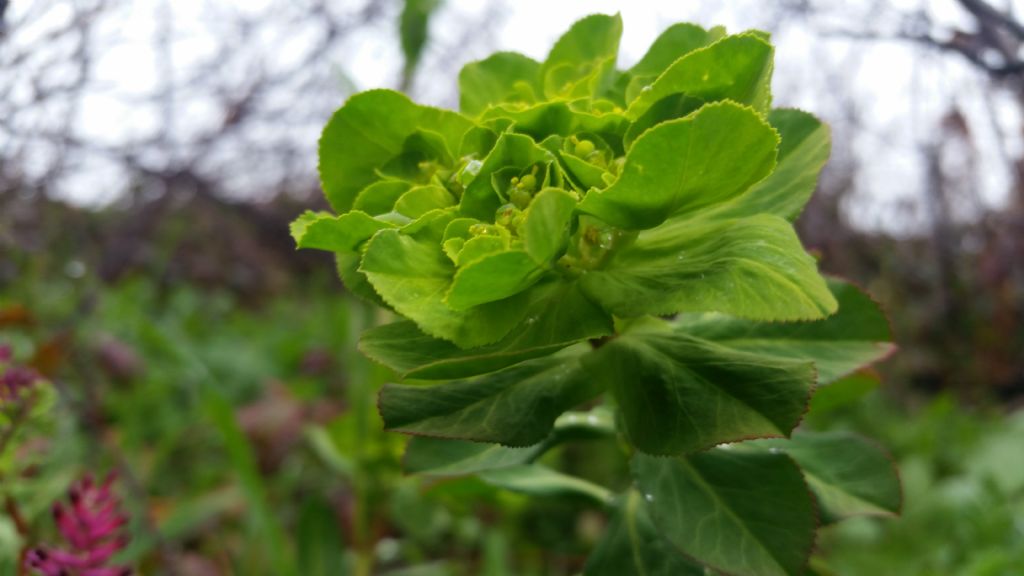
x=536 y=480
x=581 y=63
x=491 y=278
x=850 y=475
x=546 y=223
x=750 y=268
x=737 y=68
x=684 y=165
x=335 y=233
x=444 y=457
x=584 y=173
x=421 y=149
x=678 y=394
x=355 y=281
x=855 y=336
x=499 y=78
x=476 y=248
x=804 y=149
x=743 y=513
x=380 y=197
x=422 y=199
x=668 y=108
x=558 y=315
x=369 y=131
x=631 y=544
x=516 y=406
x=412 y=274
x=477 y=143
x=481 y=200
x=675 y=42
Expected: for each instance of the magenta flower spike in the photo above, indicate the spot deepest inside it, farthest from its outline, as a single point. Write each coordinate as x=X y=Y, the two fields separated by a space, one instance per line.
x=90 y=523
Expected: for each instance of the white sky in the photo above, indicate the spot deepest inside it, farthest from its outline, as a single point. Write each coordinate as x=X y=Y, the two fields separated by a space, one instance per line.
x=902 y=89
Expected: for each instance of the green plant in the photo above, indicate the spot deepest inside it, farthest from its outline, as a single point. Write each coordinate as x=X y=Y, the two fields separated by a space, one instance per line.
x=589 y=252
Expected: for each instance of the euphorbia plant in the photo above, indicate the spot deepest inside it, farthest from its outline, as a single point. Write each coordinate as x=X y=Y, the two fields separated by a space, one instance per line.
x=583 y=236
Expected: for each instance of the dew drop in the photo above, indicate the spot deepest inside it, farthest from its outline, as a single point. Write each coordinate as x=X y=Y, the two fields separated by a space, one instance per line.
x=75 y=269
x=646 y=88
x=649 y=497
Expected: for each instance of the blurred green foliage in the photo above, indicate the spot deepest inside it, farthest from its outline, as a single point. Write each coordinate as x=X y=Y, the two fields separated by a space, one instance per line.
x=251 y=445
x=963 y=483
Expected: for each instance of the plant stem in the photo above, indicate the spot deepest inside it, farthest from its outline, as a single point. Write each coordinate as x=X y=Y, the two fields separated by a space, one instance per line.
x=19 y=418
x=360 y=400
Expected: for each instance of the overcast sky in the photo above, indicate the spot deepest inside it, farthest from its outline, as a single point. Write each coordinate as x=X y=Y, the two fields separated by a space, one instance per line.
x=902 y=89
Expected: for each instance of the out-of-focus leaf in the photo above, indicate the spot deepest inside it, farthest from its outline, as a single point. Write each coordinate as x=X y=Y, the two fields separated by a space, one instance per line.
x=321 y=543
x=240 y=455
x=840 y=393
x=414 y=28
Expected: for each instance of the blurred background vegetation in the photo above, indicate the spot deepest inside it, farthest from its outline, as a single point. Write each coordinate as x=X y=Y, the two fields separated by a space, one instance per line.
x=153 y=153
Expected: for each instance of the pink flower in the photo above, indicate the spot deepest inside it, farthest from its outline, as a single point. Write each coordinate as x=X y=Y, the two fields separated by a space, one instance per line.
x=90 y=523
x=13 y=377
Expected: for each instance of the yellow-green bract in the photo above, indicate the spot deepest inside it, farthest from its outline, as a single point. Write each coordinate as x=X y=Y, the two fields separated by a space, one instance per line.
x=534 y=244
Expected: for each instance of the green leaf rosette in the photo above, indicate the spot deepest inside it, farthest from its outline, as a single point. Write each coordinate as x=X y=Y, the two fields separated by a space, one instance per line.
x=569 y=192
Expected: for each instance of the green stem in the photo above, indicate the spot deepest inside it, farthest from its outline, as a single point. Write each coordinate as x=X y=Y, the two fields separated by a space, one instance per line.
x=361 y=402
x=19 y=418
